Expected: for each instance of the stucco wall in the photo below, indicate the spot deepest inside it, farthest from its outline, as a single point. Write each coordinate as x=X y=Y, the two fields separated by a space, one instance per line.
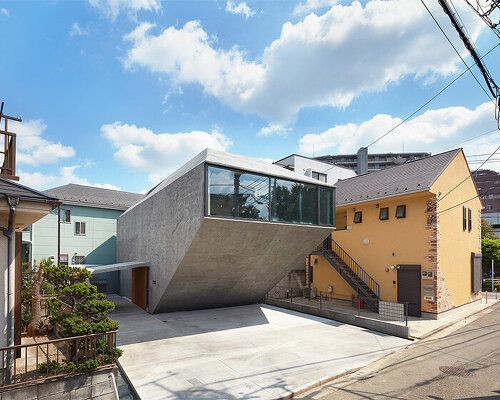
x=391 y=242
x=455 y=244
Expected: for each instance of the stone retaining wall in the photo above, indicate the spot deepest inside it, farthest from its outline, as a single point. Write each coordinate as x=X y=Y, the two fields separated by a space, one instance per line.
x=96 y=385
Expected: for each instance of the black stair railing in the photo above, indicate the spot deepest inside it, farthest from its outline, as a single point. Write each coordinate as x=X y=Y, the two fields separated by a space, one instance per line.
x=362 y=279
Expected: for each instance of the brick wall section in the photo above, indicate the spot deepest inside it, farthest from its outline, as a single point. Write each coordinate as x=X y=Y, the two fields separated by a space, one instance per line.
x=443 y=297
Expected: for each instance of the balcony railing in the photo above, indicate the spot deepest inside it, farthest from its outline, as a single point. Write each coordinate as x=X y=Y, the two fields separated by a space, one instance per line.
x=8 y=154
x=58 y=357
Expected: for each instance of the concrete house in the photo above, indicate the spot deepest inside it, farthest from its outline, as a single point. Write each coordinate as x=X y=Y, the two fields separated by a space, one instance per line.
x=409 y=233
x=227 y=228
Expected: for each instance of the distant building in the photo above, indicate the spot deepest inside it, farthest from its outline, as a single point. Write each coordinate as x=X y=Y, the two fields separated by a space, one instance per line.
x=87 y=223
x=320 y=170
x=375 y=161
x=488 y=185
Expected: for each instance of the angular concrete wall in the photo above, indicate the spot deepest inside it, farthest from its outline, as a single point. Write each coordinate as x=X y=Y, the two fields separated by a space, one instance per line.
x=203 y=262
x=234 y=262
x=160 y=230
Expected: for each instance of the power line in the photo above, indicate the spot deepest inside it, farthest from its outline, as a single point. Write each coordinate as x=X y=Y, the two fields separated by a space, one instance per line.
x=472 y=138
x=432 y=98
x=458 y=53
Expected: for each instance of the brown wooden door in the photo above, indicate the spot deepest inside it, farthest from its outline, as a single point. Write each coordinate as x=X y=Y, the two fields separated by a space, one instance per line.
x=140 y=286
x=409 y=288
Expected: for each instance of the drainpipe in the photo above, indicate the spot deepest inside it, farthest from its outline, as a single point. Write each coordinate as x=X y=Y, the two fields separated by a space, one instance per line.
x=12 y=201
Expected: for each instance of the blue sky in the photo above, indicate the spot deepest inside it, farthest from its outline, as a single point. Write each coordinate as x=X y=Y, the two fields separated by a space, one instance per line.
x=119 y=93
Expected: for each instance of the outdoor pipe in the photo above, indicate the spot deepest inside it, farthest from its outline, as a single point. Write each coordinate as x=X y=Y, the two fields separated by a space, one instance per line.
x=9 y=233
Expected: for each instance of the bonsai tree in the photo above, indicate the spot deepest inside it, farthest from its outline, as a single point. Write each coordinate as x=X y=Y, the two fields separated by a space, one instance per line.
x=79 y=308
x=33 y=283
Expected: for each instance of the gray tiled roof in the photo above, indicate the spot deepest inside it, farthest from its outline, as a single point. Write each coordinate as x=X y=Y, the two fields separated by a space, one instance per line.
x=91 y=196
x=11 y=188
x=412 y=177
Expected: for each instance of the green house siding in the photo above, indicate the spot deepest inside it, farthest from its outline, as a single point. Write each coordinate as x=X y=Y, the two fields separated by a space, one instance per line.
x=98 y=245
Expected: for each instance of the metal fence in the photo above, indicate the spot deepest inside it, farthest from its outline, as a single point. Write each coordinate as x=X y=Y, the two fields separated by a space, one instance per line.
x=393 y=311
x=55 y=357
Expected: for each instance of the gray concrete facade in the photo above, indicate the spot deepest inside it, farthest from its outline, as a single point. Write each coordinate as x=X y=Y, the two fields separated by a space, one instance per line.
x=201 y=262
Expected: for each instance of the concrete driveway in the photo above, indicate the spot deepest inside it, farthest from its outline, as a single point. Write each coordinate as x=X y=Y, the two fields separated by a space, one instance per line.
x=247 y=352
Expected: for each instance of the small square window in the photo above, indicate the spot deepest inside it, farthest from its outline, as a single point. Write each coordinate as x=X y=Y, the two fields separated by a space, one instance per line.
x=64 y=215
x=384 y=214
x=80 y=228
x=358 y=217
x=401 y=211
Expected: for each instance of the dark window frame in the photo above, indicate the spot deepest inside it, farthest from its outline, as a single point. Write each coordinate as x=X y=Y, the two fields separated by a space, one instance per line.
x=67 y=213
x=386 y=216
x=270 y=177
x=464 y=218
x=78 y=232
x=319 y=174
x=404 y=211
x=360 y=214
x=470 y=219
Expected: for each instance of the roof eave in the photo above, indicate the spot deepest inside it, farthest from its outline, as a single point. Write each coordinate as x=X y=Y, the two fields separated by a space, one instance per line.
x=388 y=196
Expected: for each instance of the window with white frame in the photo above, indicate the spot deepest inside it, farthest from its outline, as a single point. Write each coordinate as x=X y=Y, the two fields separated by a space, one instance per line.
x=80 y=228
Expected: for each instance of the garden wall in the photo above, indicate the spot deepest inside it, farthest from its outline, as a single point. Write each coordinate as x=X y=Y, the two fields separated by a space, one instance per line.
x=96 y=385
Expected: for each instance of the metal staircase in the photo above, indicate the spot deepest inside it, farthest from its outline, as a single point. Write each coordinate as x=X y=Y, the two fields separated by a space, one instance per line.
x=366 y=287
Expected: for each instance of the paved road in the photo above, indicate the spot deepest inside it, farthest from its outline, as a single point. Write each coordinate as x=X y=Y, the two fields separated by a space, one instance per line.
x=455 y=364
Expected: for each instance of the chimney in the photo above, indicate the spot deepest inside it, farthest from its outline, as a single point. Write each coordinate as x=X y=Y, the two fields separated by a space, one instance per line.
x=362 y=160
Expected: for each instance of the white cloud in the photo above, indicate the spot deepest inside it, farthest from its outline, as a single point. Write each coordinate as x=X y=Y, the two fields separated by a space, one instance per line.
x=240 y=9
x=77 y=30
x=321 y=60
x=159 y=154
x=32 y=148
x=277 y=129
x=65 y=175
x=311 y=5
x=5 y=12
x=433 y=131
x=112 y=8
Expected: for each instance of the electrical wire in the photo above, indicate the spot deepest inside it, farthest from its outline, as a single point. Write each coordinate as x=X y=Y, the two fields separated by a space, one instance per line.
x=432 y=98
x=456 y=51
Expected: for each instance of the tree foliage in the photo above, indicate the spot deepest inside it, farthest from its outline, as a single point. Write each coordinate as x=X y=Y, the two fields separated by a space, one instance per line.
x=491 y=251
x=487 y=230
x=79 y=308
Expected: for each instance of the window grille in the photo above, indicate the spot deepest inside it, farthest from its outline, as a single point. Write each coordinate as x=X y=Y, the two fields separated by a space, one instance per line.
x=79 y=260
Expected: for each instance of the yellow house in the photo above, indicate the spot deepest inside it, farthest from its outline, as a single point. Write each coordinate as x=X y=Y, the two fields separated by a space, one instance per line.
x=409 y=233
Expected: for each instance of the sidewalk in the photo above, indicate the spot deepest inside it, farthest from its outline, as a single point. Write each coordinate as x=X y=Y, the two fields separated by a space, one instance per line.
x=418 y=327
